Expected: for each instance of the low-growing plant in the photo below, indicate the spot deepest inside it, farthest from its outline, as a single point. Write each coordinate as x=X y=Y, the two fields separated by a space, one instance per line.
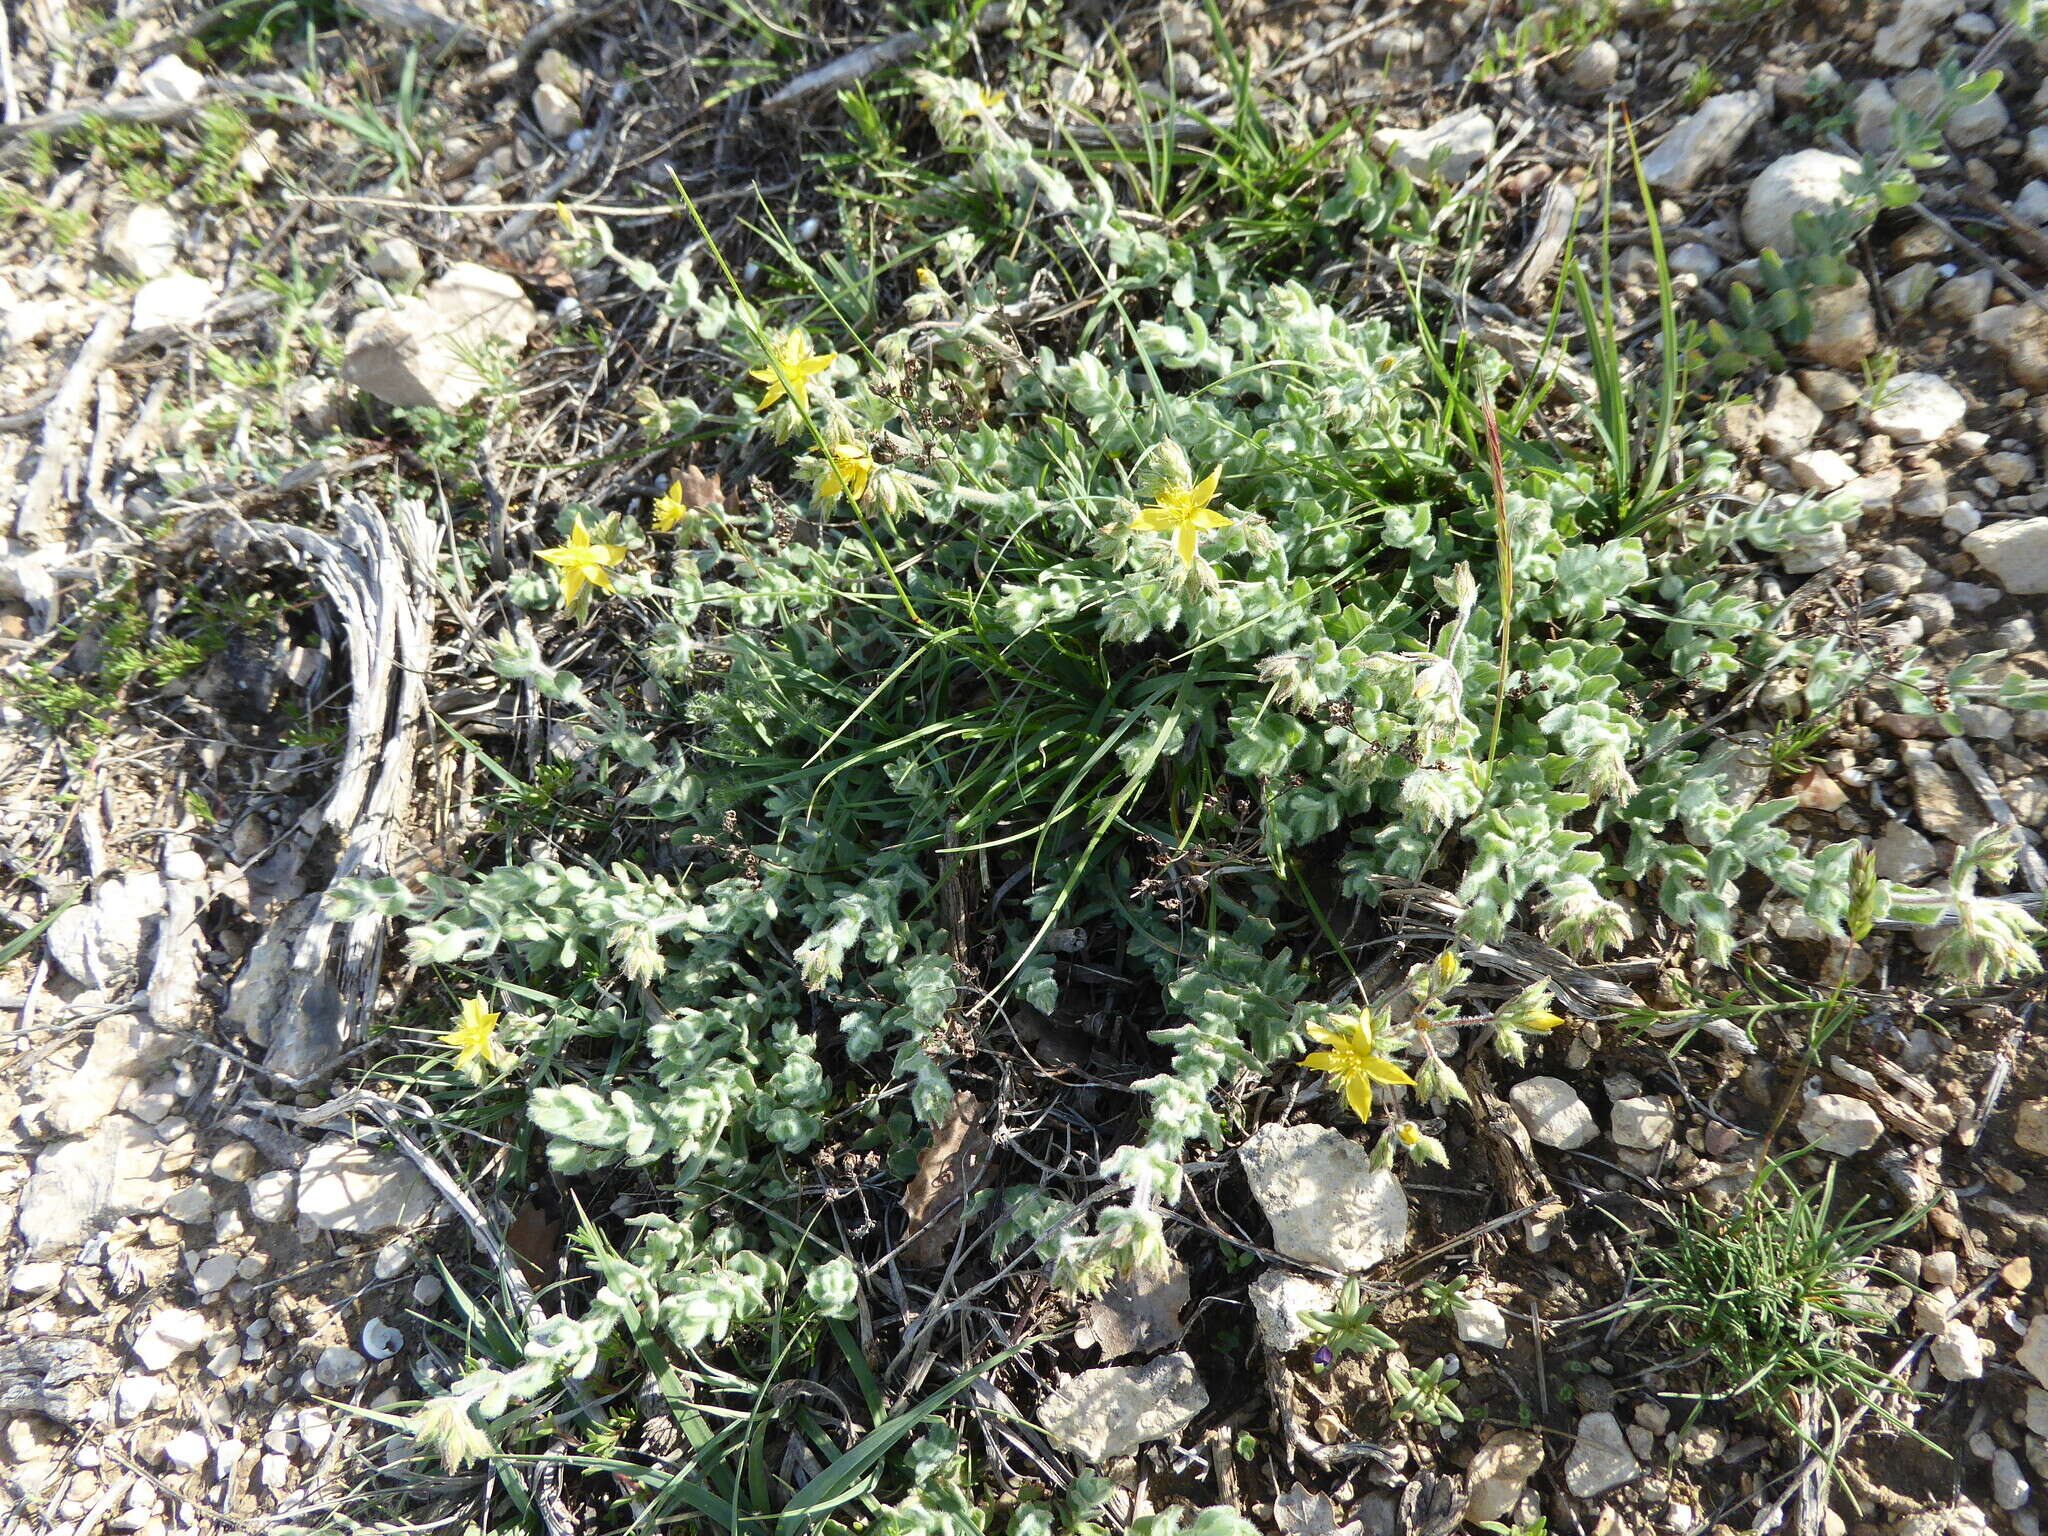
x=1779 y=1300
x=1347 y=1328
x=1121 y=646
x=1759 y=324
x=1429 y=1394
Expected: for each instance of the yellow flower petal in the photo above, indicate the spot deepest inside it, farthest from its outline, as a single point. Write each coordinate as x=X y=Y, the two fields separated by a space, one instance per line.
x=1358 y=1095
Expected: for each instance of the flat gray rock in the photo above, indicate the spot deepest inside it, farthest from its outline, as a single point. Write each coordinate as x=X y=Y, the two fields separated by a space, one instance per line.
x=1601 y=1460
x=81 y=1186
x=1328 y=1205
x=344 y=1188
x=1104 y=1414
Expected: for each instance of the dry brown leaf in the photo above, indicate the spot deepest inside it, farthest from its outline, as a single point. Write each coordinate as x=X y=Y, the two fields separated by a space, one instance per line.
x=1138 y=1315
x=947 y=1172
x=536 y=1242
x=699 y=492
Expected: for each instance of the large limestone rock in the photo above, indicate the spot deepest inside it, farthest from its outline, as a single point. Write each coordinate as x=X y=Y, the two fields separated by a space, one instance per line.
x=344 y=1188
x=1450 y=148
x=81 y=1186
x=1327 y=1203
x=142 y=241
x=1808 y=181
x=1107 y=1413
x=1703 y=141
x=432 y=349
x=2019 y=334
x=2015 y=551
x=1499 y=1473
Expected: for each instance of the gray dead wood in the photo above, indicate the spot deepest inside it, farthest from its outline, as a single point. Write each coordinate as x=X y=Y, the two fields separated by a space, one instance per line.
x=377 y=571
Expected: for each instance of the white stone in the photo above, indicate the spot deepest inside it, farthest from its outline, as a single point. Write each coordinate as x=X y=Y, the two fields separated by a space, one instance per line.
x=1902 y=854
x=557 y=111
x=1643 y=1124
x=2036 y=1415
x=2033 y=1351
x=33 y=1278
x=1977 y=122
x=1108 y=1413
x=1814 y=552
x=215 y=1272
x=1844 y=329
x=1916 y=408
x=314 y=1430
x=2009 y=1486
x=1601 y=1460
x=175 y=299
x=1906 y=290
x=2029 y=1131
x=1327 y=1204
x=187 y=1452
x=170 y=1333
x=133 y=1397
x=1482 y=1322
x=2015 y=551
x=1499 y=1473
x=2019 y=334
x=1821 y=469
x=1594 y=67
x=1837 y=1123
x=79 y=1186
x=1790 y=418
x=1870 y=117
x=100 y=943
x=1462 y=140
x=1806 y=181
x=1913 y=26
x=190 y=1206
x=343 y=1188
x=423 y=351
x=339 y=1367
x=1695 y=260
x=235 y=1163
x=1703 y=142
x=1553 y=1112
x=1278 y=1300
x=1957 y=1352
x=171 y=79
x=397 y=261
x=2031 y=206
x=271 y=1195
x=142 y=241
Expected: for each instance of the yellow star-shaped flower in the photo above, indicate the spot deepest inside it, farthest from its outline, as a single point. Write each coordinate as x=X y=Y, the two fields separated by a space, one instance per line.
x=1356 y=1057
x=669 y=510
x=848 y=467
x=475 y=1039
x=583 y=563
x=1185 y=513
x=791 y=368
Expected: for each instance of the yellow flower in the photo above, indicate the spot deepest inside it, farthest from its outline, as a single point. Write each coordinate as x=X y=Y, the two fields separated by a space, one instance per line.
x=1409 y=1132
x=669 y=510
x=791 y=367
x=1356 y=1058
x=982 y=104
x=583 y=563
x=475 y=1039
x=847 y=468
x=1184 y=514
